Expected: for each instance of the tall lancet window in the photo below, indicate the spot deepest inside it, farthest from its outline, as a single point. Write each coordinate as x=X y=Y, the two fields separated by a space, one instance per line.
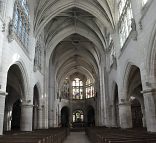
x=2 y=8
x=21 y=24
x=125 y=17
x=38 y=54
x=89 y=89
x=65 y=89
x=77 y=89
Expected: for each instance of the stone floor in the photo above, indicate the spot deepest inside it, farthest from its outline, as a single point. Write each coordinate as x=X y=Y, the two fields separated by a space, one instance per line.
x=77 y=137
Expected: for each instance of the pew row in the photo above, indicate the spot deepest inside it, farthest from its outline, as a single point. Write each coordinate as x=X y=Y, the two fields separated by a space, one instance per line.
x=54 y=135
x=116 y=135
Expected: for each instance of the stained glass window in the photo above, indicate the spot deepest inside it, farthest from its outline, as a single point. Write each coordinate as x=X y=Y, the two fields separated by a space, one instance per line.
x=65 y=89
x=21 y=21
x=38 y=55
x=77 y=89
x=78 y=116
x=90 y=92
x=125 y=16
x=2 y=7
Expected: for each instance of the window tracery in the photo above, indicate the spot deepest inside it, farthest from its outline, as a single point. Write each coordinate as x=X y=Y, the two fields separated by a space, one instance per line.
x=78 y=116
x=38 y=54
x=65 y=89
x=125 y=17
x=112 y=56
x=77 y=88
x=90 y=92
x=2 y=8
x=20 y=25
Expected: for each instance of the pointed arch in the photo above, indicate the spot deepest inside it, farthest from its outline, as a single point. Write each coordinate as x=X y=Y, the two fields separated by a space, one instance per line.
x=52 y=9
x=151 y=54
x=22 y=68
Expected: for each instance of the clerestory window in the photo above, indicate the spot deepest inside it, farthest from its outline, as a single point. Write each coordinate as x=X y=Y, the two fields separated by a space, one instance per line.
x=90 y=92
x=2 y=8
x=125 y=16
x=21 y=24
x=65 y=89
x=77 y=88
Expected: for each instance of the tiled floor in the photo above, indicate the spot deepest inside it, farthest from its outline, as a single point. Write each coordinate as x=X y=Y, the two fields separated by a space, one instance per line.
x=77 y=137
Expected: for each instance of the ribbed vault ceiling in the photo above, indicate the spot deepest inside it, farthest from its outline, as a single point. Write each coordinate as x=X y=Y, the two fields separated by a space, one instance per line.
x=75 y=33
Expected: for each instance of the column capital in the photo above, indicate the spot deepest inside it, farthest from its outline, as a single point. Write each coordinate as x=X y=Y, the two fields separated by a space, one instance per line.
x=148 y=90
x=3 y=93
x=27 y=105
x=40 y=108
x=126 y=103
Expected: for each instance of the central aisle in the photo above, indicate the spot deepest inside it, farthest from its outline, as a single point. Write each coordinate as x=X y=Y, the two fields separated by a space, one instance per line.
x=77 y=137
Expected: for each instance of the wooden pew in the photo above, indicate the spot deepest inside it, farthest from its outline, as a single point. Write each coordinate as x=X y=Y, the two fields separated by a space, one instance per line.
x=106 y=135
x=55 y=135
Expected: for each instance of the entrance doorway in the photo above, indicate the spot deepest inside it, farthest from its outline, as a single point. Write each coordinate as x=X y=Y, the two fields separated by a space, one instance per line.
x=35 y=108
x=16 y=115
x=13 y=101
x=78 y=118
x=90 y=117
x=65 y=117
x=136 y=114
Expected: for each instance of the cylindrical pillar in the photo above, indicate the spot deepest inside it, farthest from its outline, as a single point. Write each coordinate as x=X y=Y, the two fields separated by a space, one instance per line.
x=150 y=110
x=26 y=117
x=125 y=115
x=2 y=107
x=40 y=118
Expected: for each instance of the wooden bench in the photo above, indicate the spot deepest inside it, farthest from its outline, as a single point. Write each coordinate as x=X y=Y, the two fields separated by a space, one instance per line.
x=56 y=135
x=107 y=135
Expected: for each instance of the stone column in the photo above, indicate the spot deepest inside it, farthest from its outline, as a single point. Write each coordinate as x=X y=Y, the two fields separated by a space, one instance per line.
x=7 y=118
x=44 y=117
x=2 y=107
x=35 y=117
x=125 y=115
x=26 y=117
x=40 y=118
x=113 y=118
x=150 y=109
x=102 y=99
x=144 y=116
x=51 y=104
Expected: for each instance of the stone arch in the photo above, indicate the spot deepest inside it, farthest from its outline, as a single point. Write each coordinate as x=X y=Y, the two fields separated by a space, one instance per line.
x=151 y=54
x=24 y=74
x=67 y=57
x=115 y=105
x=127 y=70
x=133 y=88
x=41 y=20
x=38 y=85
x=17 y=91
x=36 y=105
x=82 y=70
x=90 y=116
x=65 y=116
x=83 y=32
x=136 y=113
x=78 y=119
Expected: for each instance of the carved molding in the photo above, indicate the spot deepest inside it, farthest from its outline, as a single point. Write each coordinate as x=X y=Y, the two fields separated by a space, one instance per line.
x=11 y=33
x=134 y=30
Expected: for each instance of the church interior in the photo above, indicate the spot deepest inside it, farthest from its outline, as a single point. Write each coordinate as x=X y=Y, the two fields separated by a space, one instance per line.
x=80 y=71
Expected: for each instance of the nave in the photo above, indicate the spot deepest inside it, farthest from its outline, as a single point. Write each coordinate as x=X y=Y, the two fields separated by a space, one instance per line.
x=90 y=135
x=77 y=137
x=77 y=64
